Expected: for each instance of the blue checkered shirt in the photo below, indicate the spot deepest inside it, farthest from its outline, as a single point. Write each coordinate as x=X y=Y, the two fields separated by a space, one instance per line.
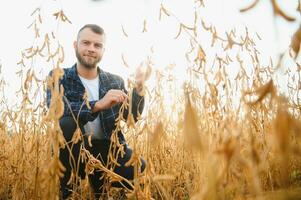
x=73 y=98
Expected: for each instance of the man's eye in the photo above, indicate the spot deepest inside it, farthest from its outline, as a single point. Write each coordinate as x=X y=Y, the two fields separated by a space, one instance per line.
x=98 y=46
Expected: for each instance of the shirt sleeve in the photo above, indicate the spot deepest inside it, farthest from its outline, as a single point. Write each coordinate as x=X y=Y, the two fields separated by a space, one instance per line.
x=78 y=109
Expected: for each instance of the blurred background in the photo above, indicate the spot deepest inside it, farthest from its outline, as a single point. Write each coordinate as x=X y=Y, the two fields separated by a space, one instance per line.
x=130 y=18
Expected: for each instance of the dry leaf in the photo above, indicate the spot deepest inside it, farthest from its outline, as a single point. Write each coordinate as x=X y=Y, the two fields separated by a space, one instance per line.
x=157 y=135
x=191 y=130
x=263 y=91
x=144 y=27
x=279 y=12
x=124 y=61
x=249 y=7
x=60 y=15
x=123 y=31
x=295 y=42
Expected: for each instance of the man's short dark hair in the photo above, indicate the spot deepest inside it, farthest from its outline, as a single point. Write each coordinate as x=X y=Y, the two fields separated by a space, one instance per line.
x=93 y=27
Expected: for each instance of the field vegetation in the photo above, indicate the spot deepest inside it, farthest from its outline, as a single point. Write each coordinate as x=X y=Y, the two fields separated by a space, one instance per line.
x=227 y=132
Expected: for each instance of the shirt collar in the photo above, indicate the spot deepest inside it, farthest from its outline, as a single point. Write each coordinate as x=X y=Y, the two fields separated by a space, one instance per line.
x=72 y=73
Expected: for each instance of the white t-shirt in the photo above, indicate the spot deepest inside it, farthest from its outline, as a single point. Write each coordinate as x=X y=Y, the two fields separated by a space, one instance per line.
x=92 y=88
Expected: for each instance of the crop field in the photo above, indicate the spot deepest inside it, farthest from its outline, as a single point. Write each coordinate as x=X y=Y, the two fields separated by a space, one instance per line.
x=225 y=130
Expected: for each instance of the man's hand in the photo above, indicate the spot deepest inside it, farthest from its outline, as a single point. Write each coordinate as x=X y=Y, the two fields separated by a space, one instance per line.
x=111 y=98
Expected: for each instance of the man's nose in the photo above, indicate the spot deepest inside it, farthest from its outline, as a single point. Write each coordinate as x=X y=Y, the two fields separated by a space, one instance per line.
x=91 y=48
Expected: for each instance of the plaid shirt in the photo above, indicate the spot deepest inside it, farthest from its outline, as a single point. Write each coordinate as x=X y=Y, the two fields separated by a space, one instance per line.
x=73 y=98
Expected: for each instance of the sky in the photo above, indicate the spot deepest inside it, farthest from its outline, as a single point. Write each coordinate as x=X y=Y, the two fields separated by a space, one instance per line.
x=131 y=14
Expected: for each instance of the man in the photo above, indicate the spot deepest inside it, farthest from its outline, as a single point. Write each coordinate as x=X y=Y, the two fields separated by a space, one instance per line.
x=96 y=119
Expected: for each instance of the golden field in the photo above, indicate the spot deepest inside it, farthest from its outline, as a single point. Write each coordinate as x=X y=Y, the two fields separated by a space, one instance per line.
x=228 y=131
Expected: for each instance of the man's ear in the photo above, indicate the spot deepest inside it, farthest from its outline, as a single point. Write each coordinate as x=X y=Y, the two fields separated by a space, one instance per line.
x=75 y=44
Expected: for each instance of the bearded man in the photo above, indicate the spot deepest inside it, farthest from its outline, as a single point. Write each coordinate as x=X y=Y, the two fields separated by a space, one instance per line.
x=96 y=119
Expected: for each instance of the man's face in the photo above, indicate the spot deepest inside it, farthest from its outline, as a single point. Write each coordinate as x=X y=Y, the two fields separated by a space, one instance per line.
x=89 y=48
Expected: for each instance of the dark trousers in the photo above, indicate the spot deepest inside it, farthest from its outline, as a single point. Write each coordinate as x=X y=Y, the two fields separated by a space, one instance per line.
x=99 y=149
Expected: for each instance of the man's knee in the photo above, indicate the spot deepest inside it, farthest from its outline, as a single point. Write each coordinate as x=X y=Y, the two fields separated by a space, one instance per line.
x=68 y=127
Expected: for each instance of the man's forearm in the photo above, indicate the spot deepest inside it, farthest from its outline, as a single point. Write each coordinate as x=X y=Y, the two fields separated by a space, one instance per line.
x=98 y=106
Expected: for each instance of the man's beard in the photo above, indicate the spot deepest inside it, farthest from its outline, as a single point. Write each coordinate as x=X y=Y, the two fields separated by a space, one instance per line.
x=86 y=64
